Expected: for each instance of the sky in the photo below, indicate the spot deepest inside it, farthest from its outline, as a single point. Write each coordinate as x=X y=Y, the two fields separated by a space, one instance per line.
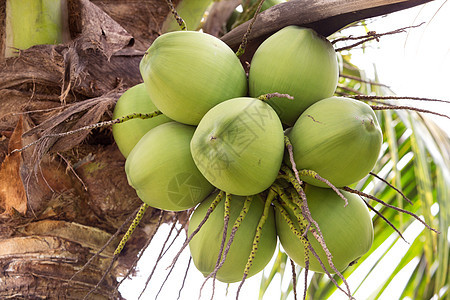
x=416 y=63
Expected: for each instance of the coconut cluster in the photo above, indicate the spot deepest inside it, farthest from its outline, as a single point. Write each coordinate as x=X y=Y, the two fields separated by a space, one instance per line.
x=219 y=146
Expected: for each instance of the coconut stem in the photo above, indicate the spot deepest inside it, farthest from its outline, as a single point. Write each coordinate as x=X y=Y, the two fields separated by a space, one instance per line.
x=177 y=17
x=104 y=246
x=290 y=150
x=309 y=247
x=286 y=201
x=226 y=219
x=211 y=208
x=93 y=126
x=315 y=231
x=294 y=279
x=266 y=97
x=184 y=278
x=385 y=219
x=119 y=248
x=300 y=234
x=257 y=238
x=134 y=224
x=147 y=243
x=371 y=35
x=348 y=189
x=236 y=225
x=290 y=223
x=244 y=42
x=392 y=187
x=158 y=259
x=164 y=282
x=101 y=279
x=376 y=97
x=192 y=12
x=292 y=179
x=315 y=175
x=348 y=293
x=385 y=107
x=306 y=269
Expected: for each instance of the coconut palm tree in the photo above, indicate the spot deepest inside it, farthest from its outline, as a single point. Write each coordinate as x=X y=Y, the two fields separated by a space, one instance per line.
x=66 y=198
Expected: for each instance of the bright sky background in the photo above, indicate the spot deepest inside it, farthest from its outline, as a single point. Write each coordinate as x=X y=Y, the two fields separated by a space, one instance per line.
x=416 y=63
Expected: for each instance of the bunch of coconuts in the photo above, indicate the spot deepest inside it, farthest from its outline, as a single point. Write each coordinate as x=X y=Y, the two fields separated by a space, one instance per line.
x=220 y=146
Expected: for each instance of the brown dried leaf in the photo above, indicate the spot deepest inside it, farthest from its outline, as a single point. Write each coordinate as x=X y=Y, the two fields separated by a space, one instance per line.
x=89 y=112
x=12 y=192
x=92 y=116
x=100 y=31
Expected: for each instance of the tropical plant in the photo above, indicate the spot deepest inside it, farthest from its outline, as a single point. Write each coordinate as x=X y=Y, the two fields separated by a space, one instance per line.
x=64 y=198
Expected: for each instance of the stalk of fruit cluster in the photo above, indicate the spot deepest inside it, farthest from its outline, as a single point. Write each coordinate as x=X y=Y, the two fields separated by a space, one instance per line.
x=286 y=201
x=92 y=126
x=311 y=222
x=244 y=42
x=395 y=107
x=180 y=21
x=256 y=238
x=301 y=235
x=119 y=248
x=192 y=12
x=350 y=190
x=236 y=225
x=266 y=97
x=314 y=174
x=226 y=219
x=211 y=208
x=134 y=224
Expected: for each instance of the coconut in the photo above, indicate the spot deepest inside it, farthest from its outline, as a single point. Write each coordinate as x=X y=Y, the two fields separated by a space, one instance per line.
x=296 y=61
x=161 y=170
x=188 y=72
x=205 y=245
x=127 y=134
x=339 y=138
x=238 y=146
x=347 y=230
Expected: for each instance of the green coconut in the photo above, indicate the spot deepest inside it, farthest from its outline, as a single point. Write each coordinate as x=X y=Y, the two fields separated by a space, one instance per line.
x=238 y=146
x=296 y=61
x=127 y=134
x=339 y=138
x=205 y=245
x=161 y=170
x=188 y=72
x=347 y=230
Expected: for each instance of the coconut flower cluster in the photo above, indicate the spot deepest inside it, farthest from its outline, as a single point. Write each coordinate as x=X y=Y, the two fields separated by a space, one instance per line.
x=220 y=145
